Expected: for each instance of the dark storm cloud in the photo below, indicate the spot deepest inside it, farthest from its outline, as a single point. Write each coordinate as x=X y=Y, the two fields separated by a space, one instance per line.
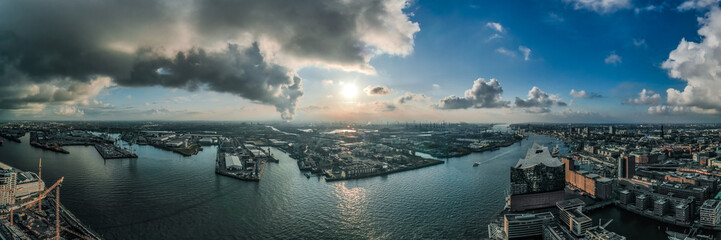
x=247 y=48
x=376 y=91
x=483 y=94
x=241 y=72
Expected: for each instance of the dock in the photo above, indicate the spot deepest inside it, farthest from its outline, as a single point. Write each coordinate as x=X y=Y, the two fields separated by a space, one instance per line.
x=108 y=151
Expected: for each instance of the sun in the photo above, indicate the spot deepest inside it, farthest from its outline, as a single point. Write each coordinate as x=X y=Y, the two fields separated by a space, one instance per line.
x=349 y=91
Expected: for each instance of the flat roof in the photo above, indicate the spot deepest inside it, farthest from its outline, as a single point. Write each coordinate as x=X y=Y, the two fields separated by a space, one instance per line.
x=528 y=216
x=575 y=202
x=579 y=216
x=711 y=203
x=5 y=166
x=604 y=179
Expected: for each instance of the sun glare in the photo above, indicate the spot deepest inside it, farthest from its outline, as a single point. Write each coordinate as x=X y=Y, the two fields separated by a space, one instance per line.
x=349 y=91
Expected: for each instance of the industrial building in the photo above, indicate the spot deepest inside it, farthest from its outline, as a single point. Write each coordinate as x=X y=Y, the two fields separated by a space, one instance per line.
x=232 y=163
x=537 y=181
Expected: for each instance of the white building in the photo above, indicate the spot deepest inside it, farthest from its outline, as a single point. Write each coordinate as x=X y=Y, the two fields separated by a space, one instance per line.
x=232 y=162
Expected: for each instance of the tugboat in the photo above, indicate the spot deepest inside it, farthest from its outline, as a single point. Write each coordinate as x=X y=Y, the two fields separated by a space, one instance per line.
x=475 y=164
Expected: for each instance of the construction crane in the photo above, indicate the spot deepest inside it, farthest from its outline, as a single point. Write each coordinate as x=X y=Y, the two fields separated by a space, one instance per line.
x=42 y=196
x=40 y=183
x=12 y=196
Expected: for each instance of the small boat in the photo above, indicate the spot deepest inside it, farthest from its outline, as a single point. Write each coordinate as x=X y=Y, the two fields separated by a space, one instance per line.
x=307 y=175
x=475 y=164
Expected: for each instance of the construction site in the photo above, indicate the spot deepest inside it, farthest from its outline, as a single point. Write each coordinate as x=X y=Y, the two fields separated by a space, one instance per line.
x=31 y=210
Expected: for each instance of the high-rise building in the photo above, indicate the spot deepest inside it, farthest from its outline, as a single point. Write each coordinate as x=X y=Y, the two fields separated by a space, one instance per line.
x=626 y=166
x=626 y=197
x=682 y=210
x=611 y=130
x=710 y=212
x=537 y=181
x=643 y=202
x=8 y=180
x=659 y=207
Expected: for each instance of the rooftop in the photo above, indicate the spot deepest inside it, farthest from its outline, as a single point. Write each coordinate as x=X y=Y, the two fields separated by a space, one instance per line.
x=571 y=203
x=528 y=216
x=538 y=154
x=710 y=204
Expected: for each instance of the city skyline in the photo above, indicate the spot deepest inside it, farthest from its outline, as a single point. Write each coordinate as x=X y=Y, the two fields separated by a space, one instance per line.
x=610 y=61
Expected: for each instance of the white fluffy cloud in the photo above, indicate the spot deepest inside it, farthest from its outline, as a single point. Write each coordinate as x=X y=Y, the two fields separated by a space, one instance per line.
x=697 y=5
x=506 y=52
x=699 y=65
x=539 y=101
x=612 y=58
x=601 y=6
x=525 y=51
x=483 y=94
x=583 y=94
x=666 y=109
x=69 y=111
x=645 y=97
x=495 y=26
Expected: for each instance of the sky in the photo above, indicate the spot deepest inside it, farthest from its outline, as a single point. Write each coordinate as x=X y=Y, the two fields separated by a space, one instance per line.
x=594 y=61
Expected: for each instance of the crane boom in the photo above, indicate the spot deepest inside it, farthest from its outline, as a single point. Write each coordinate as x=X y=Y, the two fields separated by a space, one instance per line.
x=44 y=194
x=609 y=222
x=40 y=182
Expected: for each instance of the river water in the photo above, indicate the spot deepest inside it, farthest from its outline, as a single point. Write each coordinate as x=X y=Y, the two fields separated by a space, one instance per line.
x=163 y=195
